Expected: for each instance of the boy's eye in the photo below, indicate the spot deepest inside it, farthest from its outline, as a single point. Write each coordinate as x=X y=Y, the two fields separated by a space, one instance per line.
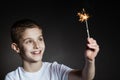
x=40 y=39
x=28 y=41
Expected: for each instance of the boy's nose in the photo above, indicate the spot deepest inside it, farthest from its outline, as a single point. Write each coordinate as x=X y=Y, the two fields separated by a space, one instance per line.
x=37 y=45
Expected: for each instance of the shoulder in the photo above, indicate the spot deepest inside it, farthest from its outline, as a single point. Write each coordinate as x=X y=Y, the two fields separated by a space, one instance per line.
x=55 y=65
x=51 y=64
x=12 y=74
x=58 y=70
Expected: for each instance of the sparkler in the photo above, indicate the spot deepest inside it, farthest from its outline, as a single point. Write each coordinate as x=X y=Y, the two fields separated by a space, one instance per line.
x=83 y=18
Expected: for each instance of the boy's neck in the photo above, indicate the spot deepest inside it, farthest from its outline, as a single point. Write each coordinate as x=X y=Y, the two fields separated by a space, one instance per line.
x=32 y=67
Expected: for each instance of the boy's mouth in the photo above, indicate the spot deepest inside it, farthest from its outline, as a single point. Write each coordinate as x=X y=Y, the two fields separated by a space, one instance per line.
x=36 y=52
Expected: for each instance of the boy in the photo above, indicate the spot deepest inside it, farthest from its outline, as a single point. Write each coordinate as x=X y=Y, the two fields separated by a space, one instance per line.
x=28 y=42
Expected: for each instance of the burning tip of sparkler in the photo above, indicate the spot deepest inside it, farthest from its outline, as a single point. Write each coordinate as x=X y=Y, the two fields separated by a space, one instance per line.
x=83 y=16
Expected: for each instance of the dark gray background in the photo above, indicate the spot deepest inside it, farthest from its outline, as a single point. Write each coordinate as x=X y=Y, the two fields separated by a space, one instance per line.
x=65 y=36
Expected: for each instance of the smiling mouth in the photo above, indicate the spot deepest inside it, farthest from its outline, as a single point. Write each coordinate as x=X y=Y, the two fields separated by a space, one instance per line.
x=36 y=52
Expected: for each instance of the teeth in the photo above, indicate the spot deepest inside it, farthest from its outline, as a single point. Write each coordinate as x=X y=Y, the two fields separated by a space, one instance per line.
x=36 y=52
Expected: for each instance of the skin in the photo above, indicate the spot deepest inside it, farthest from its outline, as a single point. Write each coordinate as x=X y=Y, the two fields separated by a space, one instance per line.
x=88 y=72
x=31 y=49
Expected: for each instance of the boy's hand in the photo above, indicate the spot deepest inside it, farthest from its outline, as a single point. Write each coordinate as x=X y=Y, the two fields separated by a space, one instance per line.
x=92 y=49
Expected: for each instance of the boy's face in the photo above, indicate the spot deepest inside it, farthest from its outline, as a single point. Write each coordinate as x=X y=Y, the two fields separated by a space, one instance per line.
x=32 y=45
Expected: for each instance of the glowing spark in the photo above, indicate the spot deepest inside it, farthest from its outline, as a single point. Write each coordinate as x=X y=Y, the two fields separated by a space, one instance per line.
x=83 y=17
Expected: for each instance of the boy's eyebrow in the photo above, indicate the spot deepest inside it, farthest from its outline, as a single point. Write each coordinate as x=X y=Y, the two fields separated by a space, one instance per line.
x=41 y=35
x=26 y=39
x=31 y=38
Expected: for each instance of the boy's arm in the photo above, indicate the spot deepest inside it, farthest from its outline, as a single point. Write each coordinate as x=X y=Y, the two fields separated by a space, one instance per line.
x=88 y=72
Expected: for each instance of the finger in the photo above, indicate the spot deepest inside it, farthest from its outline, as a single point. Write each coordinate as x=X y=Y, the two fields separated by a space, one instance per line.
x=91 y=40
x=93 y=47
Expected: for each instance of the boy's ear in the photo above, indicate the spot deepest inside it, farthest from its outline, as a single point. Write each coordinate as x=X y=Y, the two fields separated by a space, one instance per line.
x=15 y=47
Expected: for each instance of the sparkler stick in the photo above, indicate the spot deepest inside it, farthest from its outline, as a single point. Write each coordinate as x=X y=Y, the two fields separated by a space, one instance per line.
x=88 y=34
x=83 y=17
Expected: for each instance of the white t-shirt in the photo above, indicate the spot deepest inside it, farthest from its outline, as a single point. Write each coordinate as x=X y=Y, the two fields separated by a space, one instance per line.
x=48 y=71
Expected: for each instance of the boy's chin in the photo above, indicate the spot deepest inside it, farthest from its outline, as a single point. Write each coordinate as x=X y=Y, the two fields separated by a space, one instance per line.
x=35 y=61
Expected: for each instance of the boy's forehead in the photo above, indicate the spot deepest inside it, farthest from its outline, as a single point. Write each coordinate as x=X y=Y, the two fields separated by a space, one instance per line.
x=32 y=32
